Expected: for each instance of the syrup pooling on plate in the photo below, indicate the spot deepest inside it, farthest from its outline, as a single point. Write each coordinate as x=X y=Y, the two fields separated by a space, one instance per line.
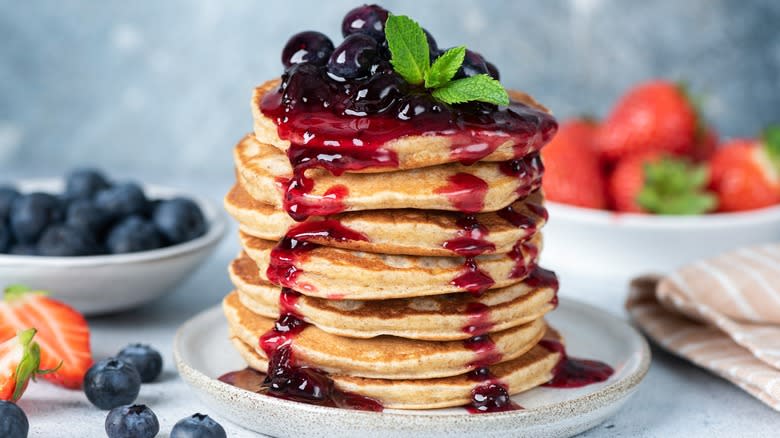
x=490 y=395
x=571 y=372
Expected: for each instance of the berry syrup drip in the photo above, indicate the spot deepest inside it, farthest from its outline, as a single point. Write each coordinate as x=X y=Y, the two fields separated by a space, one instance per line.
x=525 y=221
x=486 y=351
x=350 y=120
x=490 y=395
x=524 y=254
x=466 y=192
x=527 y=170
x=572 y=372
x=283 y=269
x=544 y=278
x=472 y=279
x=285 y=379
x=479 y=321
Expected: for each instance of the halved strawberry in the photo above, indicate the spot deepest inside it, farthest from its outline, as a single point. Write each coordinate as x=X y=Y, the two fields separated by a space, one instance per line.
x=63 y=334
x=20 y=359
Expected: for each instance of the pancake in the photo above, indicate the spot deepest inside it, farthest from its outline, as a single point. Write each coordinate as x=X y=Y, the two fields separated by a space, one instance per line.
x=336 y=273
x=264 y=171
x=427 y=149
x=437 y=318
x=384 y=357
x=403 y=231
x=521 y=374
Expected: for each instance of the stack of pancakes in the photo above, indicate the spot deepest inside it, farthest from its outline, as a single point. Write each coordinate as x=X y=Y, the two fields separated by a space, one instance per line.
x=424 y=288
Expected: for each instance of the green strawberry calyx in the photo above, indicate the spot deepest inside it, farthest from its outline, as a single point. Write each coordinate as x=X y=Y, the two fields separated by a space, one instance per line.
x=29 y=366
x=16 y=292
x=674 y=186
x=771 y=142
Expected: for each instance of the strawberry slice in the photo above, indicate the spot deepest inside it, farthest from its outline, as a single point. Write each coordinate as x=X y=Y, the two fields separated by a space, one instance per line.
x=20 y=359
x=63 y=334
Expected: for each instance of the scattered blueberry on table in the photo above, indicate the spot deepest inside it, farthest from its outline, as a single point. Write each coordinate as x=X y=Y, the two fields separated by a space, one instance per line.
x=145 y=359
x=136 y=421
x=13 y=421
x=111 y=383
x=94 y=216
x=198 y=426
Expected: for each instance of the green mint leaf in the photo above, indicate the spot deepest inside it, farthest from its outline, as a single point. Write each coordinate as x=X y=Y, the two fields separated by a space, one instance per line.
x=481 y=88
x=445 y=67
x=408 y=48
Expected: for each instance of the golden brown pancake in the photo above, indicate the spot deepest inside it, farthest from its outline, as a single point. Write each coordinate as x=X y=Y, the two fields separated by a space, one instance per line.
x=437 y=318
x=262 y=171
x=413 y=151
x=383 y=357
x=403 y=231
x=336 y=273
x=521 y=374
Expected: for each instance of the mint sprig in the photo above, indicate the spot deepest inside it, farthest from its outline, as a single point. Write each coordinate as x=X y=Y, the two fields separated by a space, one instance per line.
x=410 y=59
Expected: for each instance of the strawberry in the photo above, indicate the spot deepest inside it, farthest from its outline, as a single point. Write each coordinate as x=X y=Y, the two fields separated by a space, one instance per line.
x=20 y=359
x=63 y=333
x=654 y=183
x=654 y=116
x=705 y=145
x=744 y=173
x=572 y=168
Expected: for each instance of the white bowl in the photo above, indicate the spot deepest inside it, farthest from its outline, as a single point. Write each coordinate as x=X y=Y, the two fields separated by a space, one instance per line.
x=618 y=246
x=112 y=283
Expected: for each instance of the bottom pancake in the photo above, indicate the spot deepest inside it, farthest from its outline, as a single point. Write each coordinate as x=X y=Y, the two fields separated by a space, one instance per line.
x=386 y=357
x=521 y=374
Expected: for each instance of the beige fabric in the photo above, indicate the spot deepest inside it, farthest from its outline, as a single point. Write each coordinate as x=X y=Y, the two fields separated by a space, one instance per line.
x=722 y=314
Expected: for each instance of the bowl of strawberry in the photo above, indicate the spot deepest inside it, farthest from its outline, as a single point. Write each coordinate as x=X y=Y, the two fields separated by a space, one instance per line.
x=651 y=187
x=104 y=246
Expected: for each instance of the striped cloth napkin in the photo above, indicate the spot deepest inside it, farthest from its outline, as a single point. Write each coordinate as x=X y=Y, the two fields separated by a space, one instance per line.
x=722 y=314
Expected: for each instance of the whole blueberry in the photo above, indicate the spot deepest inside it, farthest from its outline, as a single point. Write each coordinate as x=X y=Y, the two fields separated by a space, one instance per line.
x=13 y=421
x=66 y=241
x=308 y=46
x=31 y=214
x=368 y=20
x=85 y=215
x=111 y=383
x=7 y=196
x=353 y=57
x=136 y=421
x=433 y=48
x=84 y=183
x=145 y=359
x=122 y=200
x=179 y=220
x=5 y=237
x=133 y=234
x=493 y=70
x=23 y=249
x=198 y=426
x=473 y=64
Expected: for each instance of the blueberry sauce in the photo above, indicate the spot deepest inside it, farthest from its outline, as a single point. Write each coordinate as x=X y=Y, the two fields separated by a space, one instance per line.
x=486 y=351
x=479 y=321
x=472 y=279
x=288 y=380
x=471 y=238
x=528 y=170
x=283 y=269
x=572 y=372
x=490 y=395
x=465 y=192
x=544 y=278
x=524 y=254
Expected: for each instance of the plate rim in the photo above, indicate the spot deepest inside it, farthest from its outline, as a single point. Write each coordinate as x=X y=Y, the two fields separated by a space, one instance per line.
x=621 y=389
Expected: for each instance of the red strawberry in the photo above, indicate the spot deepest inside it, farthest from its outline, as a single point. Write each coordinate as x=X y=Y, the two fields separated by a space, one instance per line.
x=655 y=116
x=572 y=169
x=653 y=183
x=20 y=359
x=744 y=173
x=63 y=333
x=706 y=144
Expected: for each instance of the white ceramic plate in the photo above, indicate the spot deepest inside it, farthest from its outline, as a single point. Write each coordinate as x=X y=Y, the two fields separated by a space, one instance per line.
x=112 y=283
x=203 y=352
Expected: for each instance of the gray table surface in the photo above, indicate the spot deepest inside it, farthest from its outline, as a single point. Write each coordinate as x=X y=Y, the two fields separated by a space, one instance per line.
x=676 y=398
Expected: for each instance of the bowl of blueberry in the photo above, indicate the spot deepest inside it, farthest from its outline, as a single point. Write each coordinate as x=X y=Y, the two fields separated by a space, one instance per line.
x=104 y=246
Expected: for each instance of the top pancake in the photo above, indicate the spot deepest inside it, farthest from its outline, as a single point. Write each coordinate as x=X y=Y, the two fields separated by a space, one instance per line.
x=263 y=171
x=426 y=149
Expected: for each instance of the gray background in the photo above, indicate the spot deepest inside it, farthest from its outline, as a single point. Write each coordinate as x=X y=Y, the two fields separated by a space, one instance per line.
x=161 y=89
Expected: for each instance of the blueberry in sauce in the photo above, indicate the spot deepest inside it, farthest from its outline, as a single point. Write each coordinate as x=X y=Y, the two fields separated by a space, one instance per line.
x=492 y=70
x=377 y=94
x=309 y=46
x=473 y=64
x=367 y=19
x=353 y=57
